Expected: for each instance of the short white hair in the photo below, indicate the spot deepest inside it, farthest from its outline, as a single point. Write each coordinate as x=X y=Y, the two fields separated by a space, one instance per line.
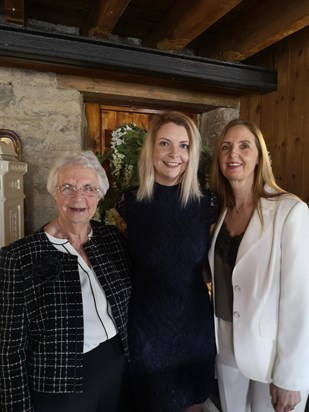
x=86 y=159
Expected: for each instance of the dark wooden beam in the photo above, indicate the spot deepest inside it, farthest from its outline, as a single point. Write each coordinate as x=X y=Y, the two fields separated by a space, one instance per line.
x=104 y=17
x=80 y=52
x=14 y=11
x=186 y=22
x=261 y=27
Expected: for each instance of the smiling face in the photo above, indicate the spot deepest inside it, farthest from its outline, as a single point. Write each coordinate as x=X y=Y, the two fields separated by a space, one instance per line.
x=170 y=154
x=239 y=155
x=76 y=208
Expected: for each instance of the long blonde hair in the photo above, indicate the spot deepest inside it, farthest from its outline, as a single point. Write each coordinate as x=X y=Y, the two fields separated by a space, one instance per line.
x=263 y=175
x=189 y=181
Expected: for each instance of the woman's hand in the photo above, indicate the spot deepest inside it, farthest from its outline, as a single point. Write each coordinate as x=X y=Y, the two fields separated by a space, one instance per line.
x=121 y=224
x=283 y=400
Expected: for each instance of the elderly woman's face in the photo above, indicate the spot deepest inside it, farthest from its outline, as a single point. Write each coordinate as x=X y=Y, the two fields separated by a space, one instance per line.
x=77 y=207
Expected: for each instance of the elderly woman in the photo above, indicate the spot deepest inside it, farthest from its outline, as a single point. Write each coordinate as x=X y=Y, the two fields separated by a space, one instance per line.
x=64 y=300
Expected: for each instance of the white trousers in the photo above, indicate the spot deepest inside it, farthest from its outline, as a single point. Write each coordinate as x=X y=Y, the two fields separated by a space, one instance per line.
x=237 y=392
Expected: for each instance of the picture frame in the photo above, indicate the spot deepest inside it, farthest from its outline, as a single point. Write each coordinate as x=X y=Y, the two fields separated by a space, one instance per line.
x=11 y=138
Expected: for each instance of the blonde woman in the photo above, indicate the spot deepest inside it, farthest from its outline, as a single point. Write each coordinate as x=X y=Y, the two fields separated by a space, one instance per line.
x=261 y=279
x=171 y=337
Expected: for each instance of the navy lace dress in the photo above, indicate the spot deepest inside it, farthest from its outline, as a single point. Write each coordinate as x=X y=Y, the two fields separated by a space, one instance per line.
x=171 y=336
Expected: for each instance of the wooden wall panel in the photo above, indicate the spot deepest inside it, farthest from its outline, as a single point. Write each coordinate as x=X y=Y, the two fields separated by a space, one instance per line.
x=267 y=117
x=93 y=137
x=295 y=137
x=305 y=161
x=255 y=109
x=244 y=107
x=113 y=117
x=283 y=114
x=276 y=141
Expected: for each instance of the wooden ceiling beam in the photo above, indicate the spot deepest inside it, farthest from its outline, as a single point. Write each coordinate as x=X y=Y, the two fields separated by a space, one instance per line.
x=187 y=21
x=82 y=53
x=104 y=17
x=14 y=11
x=268 y=26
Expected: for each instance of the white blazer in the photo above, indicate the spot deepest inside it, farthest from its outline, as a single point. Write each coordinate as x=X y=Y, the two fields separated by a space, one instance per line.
x=271 y=295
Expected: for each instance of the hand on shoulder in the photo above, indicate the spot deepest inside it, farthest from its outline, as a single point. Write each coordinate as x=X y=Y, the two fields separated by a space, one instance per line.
x=121 y=224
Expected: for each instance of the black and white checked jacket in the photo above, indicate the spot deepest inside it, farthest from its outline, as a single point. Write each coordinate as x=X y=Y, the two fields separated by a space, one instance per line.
x=41 y=313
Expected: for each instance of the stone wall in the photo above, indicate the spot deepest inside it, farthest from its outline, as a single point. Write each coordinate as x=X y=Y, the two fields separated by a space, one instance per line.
x=49 y=121
x=212 y=122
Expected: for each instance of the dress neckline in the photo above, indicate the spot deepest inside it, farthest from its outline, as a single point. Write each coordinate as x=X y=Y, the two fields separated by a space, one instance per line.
x=158 y=186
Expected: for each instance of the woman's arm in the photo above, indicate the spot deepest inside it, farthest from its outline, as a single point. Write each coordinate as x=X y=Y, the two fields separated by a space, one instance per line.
x=291 y=369
x=14 y=390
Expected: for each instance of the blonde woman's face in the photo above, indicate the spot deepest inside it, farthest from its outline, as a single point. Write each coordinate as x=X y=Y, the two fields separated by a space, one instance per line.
x=239 y=155
x=170 y=154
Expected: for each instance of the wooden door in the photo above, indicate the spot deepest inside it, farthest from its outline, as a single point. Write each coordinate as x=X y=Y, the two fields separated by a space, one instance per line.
x=103 y=119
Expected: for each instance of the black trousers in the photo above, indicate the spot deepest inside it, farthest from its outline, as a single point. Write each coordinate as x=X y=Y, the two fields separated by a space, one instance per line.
x=105 y=384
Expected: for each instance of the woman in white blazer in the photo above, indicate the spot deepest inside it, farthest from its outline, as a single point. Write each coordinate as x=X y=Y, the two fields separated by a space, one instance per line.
x=259 y=263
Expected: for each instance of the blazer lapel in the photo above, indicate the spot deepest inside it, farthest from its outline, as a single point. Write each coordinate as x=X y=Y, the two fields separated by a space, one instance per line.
x=253 y=235
x=213 y=241
x=256 y=230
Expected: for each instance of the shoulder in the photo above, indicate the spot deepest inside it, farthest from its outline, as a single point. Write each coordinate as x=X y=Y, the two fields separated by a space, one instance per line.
x=286 y=209
x=129 y=195
x=295 y=206
x=21 y=254
x=106 y=232
x=284 y=202
x=125 y=202
x=27 y=244
x=108 y=240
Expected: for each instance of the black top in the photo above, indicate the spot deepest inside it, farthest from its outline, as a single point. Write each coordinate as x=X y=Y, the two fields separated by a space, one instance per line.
x=225 y=257
x=171 y=337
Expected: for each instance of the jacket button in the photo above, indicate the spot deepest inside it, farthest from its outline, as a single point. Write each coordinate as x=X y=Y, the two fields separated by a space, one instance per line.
x=237 y=288
x=236 y=315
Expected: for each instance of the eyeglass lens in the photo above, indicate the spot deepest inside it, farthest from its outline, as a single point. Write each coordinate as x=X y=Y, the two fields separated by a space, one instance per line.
x=69 y=190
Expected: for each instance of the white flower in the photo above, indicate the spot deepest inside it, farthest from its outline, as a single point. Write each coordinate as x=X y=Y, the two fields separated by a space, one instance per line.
x=128 y=172
x=126 y=143
x=110 y=217
x=96 y=215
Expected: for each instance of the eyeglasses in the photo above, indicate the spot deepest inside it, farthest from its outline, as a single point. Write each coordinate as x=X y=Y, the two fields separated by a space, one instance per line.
x=70 y=190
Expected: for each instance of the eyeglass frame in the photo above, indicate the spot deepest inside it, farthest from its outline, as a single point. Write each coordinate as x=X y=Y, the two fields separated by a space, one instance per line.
x=75 y=190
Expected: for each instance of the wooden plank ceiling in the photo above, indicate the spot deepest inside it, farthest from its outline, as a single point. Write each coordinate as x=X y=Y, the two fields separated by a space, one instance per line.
x=228 y=30
x=203 y=42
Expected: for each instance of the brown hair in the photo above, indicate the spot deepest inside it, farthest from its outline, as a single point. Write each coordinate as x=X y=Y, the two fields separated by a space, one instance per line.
x=263 y=172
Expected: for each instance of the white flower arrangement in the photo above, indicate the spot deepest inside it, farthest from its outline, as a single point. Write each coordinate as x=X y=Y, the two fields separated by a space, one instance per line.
x=121 y=165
